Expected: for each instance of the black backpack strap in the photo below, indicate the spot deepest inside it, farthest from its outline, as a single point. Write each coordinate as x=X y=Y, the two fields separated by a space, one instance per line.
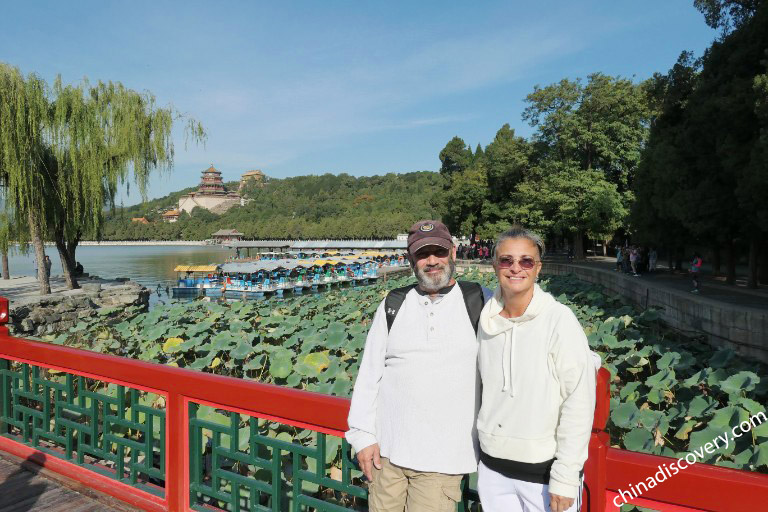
x=474 y=299
x=393 y=302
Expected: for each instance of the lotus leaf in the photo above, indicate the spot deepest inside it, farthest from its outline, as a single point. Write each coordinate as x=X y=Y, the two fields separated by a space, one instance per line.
x=663 y=379
x=698 y=441
x=171 y=345
x=686 y=428
x=223 y=341
x=625 y=415
x=242 y=350
x=629 y=391
x=721 y=358
x=293 y=380
x=280 y=363
x=257 y=362
x=636 y=360
x=670 y=359
x=761 y=455
x=317 y=360
x=742 y=381
x=639 y=440
x=701 y=407
x=716 y=377
x=335 y=335
x=728 y=417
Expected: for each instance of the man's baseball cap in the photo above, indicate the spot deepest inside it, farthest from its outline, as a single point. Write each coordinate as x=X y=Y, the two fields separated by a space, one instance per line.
x=428 y=232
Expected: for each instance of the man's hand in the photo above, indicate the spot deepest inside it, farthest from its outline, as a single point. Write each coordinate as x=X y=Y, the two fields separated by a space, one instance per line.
x=559 y=503
x=369 y=457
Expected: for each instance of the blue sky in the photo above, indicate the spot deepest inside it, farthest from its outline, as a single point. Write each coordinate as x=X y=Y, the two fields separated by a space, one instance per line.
x=365 y=88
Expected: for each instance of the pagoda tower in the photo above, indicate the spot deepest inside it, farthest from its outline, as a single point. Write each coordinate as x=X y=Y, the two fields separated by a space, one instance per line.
x=210 y=195
x=211 y=183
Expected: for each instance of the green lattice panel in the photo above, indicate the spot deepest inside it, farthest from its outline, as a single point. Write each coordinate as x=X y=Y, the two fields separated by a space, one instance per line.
x=110 y=429
x=242 y=463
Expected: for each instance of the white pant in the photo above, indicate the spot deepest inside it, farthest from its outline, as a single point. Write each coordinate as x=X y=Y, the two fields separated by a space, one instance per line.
x=501 y=494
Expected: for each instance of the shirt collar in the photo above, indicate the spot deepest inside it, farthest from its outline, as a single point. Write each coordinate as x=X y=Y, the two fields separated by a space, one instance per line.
x=441 y=291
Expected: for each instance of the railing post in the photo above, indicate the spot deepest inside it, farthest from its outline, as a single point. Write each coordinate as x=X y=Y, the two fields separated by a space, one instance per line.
x=596 y=467
x=177 y=459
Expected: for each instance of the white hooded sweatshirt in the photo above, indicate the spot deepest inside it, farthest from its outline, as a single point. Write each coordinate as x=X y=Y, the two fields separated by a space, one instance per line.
x=538 y=398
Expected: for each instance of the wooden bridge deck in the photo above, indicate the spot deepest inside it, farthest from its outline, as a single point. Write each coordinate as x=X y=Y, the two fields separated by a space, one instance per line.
x=26 y=487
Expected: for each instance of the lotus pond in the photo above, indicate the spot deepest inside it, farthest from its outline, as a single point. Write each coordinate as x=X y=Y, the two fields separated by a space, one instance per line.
x=671 y=393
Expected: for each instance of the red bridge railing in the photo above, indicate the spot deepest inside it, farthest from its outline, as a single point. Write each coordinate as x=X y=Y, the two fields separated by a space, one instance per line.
x=608 y=470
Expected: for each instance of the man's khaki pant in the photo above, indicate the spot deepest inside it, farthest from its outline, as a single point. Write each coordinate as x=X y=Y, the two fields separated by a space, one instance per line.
x=396 y=489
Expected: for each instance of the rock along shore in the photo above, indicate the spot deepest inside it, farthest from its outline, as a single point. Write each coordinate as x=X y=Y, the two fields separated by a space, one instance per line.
x=57 y=312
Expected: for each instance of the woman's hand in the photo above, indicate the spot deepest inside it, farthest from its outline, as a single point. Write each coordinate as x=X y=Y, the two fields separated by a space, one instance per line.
x=559 y=503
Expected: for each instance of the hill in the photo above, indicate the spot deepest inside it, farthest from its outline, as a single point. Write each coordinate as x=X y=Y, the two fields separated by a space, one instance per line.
x=302 y=207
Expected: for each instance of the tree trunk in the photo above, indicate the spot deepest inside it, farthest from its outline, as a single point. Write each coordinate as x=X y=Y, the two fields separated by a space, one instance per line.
x=730 y=262
x=716 y=263
x=754 y=254
x=6 y=272
x=37 y=243
x=67 y=264
x=578 y=245
x=763 y=271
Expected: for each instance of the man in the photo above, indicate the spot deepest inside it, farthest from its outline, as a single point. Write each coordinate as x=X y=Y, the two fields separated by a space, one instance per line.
x=416 y=394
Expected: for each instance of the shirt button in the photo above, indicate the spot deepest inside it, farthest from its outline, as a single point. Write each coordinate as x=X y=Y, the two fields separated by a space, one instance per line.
x=431 y=313
x=431 y=328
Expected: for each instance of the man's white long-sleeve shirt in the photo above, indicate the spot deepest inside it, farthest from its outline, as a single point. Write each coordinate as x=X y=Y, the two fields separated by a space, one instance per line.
x=416 y=393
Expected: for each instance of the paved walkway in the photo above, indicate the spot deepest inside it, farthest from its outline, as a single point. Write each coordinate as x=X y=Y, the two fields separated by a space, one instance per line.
x=711 y=287
x=26 y=487
x=19 y=290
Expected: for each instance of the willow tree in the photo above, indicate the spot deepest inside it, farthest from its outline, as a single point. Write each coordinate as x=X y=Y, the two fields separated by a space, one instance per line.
x=24 y=108
x=93 y=139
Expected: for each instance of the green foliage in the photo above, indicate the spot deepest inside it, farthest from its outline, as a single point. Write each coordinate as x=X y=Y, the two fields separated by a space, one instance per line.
x=573 y=177
x=669 y=393
x=326 y=206
x=455 y=157
x=65 y=149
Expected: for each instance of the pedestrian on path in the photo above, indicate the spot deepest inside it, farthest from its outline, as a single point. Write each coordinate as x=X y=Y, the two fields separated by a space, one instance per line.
x=619 y=259
x=633 y=255
x=48 y=265
x=652 y=258
x=695 y=271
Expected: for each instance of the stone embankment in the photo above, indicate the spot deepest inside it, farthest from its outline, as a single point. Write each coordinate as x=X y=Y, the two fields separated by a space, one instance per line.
x=57 y=312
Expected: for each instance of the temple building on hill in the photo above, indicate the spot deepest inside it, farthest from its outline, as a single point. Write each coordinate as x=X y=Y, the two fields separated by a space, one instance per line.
x=251 y=176
x=211 y=194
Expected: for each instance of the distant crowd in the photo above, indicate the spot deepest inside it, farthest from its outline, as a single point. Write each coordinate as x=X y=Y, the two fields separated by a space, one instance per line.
x=636 y=259
x=475 y=250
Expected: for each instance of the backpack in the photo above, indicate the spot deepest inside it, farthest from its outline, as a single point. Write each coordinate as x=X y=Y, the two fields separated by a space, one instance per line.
x=474 y=299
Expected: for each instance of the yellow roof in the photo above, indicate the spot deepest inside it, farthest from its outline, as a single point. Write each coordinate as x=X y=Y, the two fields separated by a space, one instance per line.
x=331 y=251
x=195 y=268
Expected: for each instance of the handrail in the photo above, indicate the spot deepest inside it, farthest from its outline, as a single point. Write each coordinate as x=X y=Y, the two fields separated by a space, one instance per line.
x=303 y=408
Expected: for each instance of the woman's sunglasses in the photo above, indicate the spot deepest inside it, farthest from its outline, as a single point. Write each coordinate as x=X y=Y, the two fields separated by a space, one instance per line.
x=526 y=262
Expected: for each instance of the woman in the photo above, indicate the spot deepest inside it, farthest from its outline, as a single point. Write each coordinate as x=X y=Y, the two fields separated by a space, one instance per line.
x=696 y=271
x=538 y=396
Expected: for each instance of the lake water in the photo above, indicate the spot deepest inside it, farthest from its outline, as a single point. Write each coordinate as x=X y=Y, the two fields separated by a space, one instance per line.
x=147 y=265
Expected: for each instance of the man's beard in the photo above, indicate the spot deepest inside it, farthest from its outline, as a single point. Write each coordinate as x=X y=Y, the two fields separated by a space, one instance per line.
x=433 y=283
